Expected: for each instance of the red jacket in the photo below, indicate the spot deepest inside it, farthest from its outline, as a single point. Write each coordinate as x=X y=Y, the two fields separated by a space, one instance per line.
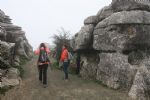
x=37 y=52
x=64 y=55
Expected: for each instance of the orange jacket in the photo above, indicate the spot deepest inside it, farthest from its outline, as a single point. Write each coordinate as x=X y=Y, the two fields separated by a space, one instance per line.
x=64 y=55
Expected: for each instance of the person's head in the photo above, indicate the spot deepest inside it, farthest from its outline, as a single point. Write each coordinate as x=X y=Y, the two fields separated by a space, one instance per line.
x=42 y=45
x=64 y=46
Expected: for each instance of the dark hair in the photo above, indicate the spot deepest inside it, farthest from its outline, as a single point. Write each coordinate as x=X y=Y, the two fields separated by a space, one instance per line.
x=42 y=45
x=65 y=46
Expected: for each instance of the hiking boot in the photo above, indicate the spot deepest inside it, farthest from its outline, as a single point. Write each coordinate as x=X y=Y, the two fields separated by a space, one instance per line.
x=40 y=82
x=44 y=85
x=66 y=80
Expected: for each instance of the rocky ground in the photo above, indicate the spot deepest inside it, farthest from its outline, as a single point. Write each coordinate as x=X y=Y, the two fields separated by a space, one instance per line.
x=58 y=89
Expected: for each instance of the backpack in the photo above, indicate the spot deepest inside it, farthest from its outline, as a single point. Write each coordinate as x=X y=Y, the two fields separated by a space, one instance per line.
x=43 y=57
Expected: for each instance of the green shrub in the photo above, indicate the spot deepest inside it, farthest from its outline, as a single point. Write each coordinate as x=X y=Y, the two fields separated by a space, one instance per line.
x=20 y=69
x=3 y=90
x=55 y=65
x=23 y=61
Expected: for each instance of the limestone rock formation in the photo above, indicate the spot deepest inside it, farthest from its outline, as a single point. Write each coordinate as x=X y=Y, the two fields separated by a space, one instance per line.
x=140 y=88
x=90 y=65
x=14 y=47
x=91 y=20
x=115 y=71
x=117 y=39
x=83 y=38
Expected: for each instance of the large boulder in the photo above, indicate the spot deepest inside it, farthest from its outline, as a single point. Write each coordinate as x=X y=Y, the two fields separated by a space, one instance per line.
x=122 y=30
x=122 y=37
x=89 y=66
x=20 y=49
x=9 y=82
x=10 y=78
x=83 y=38
x=13 y=73
x=141 y=86
x=91 y=20
x=128 y=5
x=115 y=71
x=104 y=13
x=28 y=49
x=125 y=17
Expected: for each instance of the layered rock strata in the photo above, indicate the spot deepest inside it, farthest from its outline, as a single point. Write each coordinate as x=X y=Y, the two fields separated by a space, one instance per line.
x=113 y=45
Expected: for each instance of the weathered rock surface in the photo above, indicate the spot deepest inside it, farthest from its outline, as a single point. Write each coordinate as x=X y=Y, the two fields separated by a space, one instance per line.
x=141 y=84
x=11 y=78
x=120 y=36
x=115 y=71
x=91 y=20
x=13 y=48
x=2 y=34
x=122 y=5
x=126 y=17
x=104 y=13
x=83 y=37
x=89 y=67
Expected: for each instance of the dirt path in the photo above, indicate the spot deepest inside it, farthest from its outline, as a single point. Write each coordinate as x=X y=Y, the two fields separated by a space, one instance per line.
x=58 y=89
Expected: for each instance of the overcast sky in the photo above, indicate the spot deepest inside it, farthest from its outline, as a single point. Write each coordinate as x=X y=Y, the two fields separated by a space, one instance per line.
x=40 y=19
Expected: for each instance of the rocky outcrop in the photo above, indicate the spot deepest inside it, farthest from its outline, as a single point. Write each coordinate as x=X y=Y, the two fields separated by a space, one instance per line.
x=14 y=48
x=11 y=78
x=115 y=71
x=140 y=88
x=117 y=39
x=83 y=38
x=90 y=65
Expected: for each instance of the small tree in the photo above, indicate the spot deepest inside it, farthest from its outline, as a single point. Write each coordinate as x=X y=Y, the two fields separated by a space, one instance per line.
x=62 y=37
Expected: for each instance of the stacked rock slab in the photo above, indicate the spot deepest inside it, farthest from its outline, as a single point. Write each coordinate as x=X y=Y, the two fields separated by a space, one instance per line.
x=119 y=38
x=13 y=48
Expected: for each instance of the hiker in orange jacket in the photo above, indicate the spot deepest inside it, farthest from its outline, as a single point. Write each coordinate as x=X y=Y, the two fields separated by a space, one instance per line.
x=65 y=60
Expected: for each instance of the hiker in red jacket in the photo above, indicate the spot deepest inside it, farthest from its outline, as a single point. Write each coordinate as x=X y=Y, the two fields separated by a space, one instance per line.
x=65 y=60
x=42 y=63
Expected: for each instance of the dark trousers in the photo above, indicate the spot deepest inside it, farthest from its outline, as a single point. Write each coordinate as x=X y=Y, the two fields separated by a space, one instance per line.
x=78 y=68
x=65 y=67
x=43 y=73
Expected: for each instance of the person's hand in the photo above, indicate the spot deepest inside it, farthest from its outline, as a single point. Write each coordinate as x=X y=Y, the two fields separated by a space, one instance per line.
x=40 y=63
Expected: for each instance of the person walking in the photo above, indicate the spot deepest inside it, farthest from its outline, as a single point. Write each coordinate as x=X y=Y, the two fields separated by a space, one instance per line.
x=64 y=59
x=43 y=62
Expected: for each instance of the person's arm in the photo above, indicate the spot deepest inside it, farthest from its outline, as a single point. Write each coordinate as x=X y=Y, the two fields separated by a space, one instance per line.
x=62 y=57
x=48 y=50
x=37 y=52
